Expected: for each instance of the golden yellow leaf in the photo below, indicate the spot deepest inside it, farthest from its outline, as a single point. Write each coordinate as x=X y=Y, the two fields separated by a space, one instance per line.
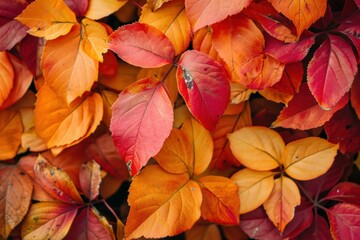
x=94 y=42
x=6 y=77
x=170 y=19
x=309 y=158
x=202 y=41
x=48 y=19
x=109 y=98
x=10 y=133
x=254 y=188
x=239 y=93
x=101 y=8
x=156 y=4
x=68 y=70
x=280 y=206
x=181 y=113
x=59 y=124
x=258 y=148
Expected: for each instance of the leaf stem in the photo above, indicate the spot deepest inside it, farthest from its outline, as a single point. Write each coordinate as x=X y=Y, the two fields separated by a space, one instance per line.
x=110 y=209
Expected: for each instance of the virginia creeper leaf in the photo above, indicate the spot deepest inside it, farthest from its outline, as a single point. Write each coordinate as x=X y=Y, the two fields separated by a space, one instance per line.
x=170 y=19
x=220 y=200
x=280 y=206
x=331 y=71
x=301 y=221
x=79 y=7
x=102 y=8
x=55 y=181
x=195 y=73
x=302 y=13
x=10 y=133
x=258 y=148
x=6 y=76
x=68 y=70
x=90 y=179
x=254 y=188
x=344 y=221
x=162 y=204
x=48 y=220
x=136 y=134
x=15 y=196
x=346 y=192
x=65 y=124
x=89 y=225
x=354 y=97
x=308 y=158
x=142 y=45
x=47 y=19
x=318 y=230
x=303 y=111
x=208 y=12
x=94 y=42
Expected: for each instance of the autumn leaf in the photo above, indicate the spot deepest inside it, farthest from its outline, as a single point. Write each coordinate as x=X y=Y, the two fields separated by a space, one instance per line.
x=331 y=71
x=346 y=192
x=136 y=135
x=280 y=206
x=48 y=220
x=79 y=119
x=68 y=70
x=355 y=98
x=153 y=193
x=220 y=200
x=94 y=41
x=254 y=188
x=308 y=158
x=6 y=77
x=101 y=8
x=302 y=13
x=258 y=148
x=301 y=221
x=203 y=231
x=15 y=196
x=47 y=19
x=56 y=182
x=197 y=71
x=90 y=179
x=202 y=41
x=142 y=45
x=10 y=133
x=170 y=19
x=208 y=12
x=79 y=7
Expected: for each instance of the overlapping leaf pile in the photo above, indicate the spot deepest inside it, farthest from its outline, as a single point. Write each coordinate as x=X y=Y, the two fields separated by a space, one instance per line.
x=231 y=119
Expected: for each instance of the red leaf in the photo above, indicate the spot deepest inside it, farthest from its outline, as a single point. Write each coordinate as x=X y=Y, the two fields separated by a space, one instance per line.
x=207 y=12
x=318 y=230
x=346 y=192
x=29 y=52
x=355 y=96
x=90 y=179
x=142 y=119
x=204 y=85
x=257 y=225
x=142 y=45
x=350 y=27
x=331 y=71
x=280 y=50
x=344 y=128
x=344 y=221
x=301 y=221
x=109 y=66
x=303 y=112
x=79 y=7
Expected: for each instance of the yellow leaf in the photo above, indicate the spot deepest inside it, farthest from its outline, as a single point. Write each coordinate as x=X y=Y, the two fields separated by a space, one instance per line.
x=254 y=188
x=94 y=42
x=239 y=93
x=109 y=98
x=156 y=4
x=101 y=8
x=258 y=148
x=59 y=124
x=10 y=133
x=170 y=19
x=280 y=206
x=49 y=19
x=68 y=70
x=309 y=158
x=202 y=42
x=181 y=113
x=162 y=204
x=119 y=229
x=6 y=77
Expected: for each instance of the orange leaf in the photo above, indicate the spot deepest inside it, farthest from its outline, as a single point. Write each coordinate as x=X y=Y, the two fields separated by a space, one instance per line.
x=302 y=13
x=65 y=124
x=162 y=204
x=258 y=148
x=120 y=229
x=68 y=70
x=220 y=200
x=102 y=8
x=254 y=188
x=6 y=76
x=56 y=181
x=15 y=195
x=171 y=19
x=203 y=231
x=156 y=4
x=94 y=41
x=49 y=19
x=90 y=179
x=48 y=220
x=280 y=206
x=308 y=158
x=108 y=98
x=202 y=41
x=10 y=133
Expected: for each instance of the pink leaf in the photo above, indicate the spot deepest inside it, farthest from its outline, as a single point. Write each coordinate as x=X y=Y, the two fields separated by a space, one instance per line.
x=90 y=179
x=331 y=71
x=204 y=85
x=142 y=45
x=142 y=119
